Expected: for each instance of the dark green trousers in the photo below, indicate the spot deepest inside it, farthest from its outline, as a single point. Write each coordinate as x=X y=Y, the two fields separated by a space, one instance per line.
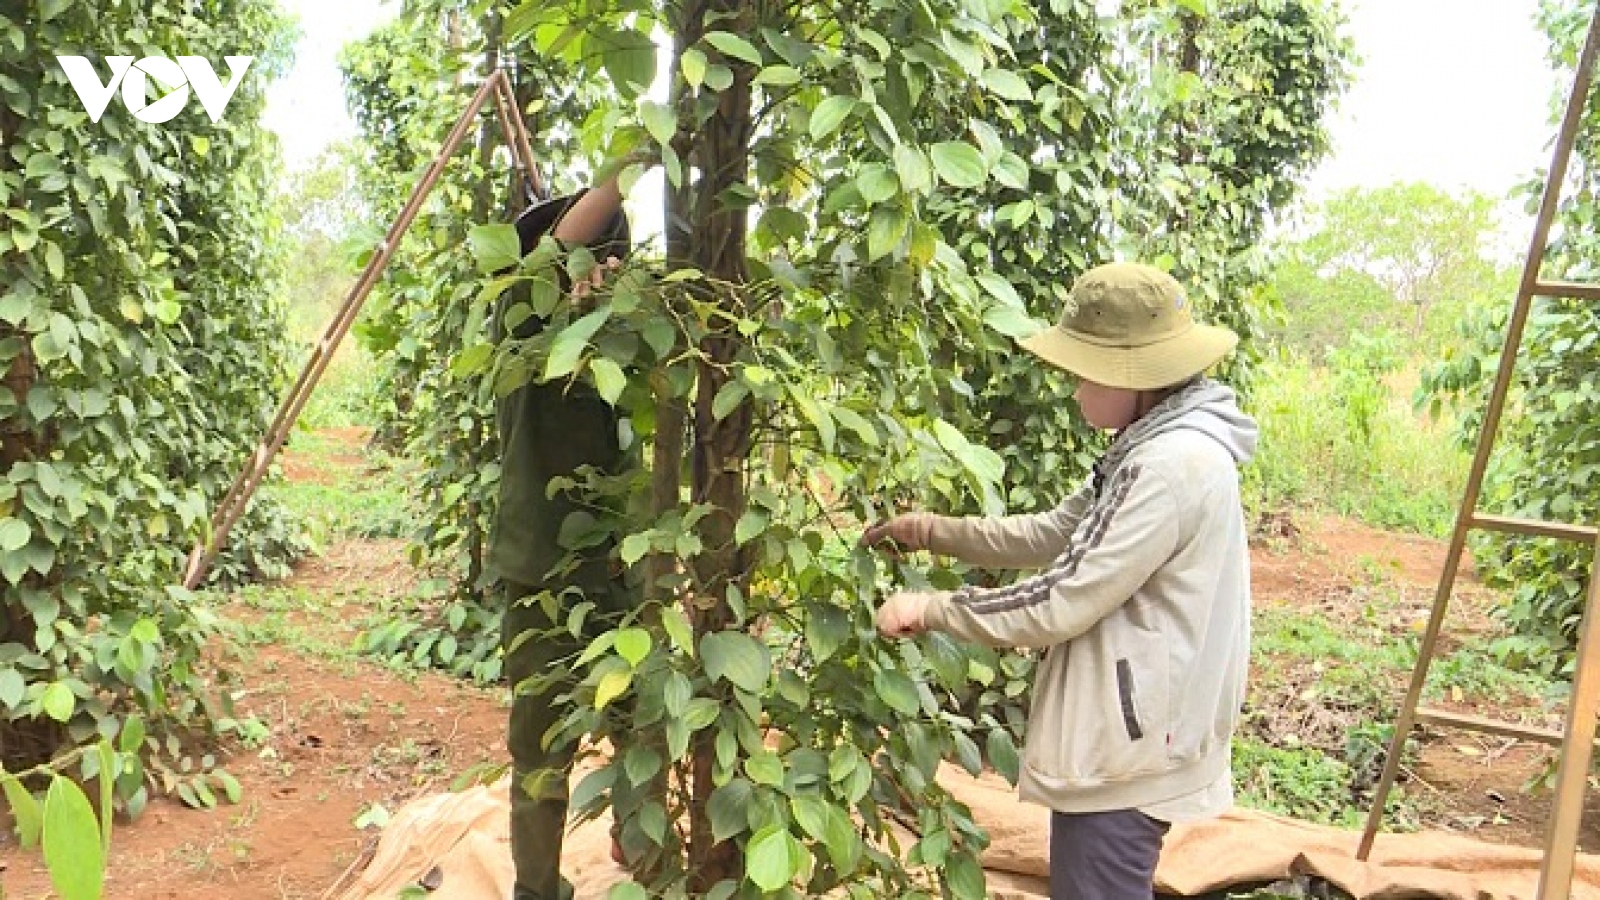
x=538 y=822
x=546 y=431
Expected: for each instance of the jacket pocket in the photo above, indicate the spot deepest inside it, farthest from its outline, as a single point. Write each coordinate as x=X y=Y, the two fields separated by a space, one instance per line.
x=1130 y=710
x=1105 y=716
x=1137 y=705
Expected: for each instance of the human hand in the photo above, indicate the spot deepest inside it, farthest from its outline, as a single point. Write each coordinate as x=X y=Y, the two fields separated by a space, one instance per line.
x=909 y=532
x=596 y=279
x=613 y=169
x=902 y=615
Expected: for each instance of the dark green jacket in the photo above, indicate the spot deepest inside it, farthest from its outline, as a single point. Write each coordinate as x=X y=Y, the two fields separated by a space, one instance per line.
x=547 y=430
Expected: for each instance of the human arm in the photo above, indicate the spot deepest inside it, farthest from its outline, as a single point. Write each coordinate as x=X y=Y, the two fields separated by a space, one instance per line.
x=1004 y=542
x=591 y=216
x=1115 y=549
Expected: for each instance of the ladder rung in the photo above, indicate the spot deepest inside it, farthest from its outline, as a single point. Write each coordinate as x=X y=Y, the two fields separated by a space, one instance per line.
x=1535 y=527
x=1571 y=289
x=1490 y=726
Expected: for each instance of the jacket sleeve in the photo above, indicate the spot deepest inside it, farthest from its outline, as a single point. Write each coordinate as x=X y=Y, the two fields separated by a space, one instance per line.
x=1122 y=541
x=1010 y=542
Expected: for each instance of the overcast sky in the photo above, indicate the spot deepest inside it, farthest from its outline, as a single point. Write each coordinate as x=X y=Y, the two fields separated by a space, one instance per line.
x=1455 y=92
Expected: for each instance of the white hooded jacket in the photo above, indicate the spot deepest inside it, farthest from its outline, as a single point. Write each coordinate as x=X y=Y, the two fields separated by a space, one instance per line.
x=1143 y=604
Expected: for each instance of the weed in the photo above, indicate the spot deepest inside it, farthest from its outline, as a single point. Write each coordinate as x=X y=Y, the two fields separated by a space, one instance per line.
x=1337 y=438
x=1310 y=746
x=1474 y=670
x=1304 y=783
x=1347 y=666
x=251 y=732
x=252 y=811
x=426 y=759
x=1310 y=785
x=194 y=857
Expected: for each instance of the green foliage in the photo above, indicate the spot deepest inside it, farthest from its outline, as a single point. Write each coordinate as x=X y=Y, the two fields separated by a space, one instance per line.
x=859 y=227
x=1374 y=290
x=1341 y=437
x=1543 y=468
x=1325 y=692
x=1310 y=747
x=329 y=505
x=1303 y=783
x=1547 y=459
x=1407 y=257
x=140 y=351
x=73 y=834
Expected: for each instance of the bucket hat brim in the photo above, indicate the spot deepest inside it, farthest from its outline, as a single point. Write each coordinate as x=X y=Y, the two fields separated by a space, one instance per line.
x=1147 y=367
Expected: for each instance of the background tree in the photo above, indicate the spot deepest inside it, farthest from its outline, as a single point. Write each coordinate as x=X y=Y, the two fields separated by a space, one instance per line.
x=1408 y=257
x=322 y=211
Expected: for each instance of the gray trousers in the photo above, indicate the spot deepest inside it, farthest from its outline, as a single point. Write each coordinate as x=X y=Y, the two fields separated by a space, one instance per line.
x=1104 y=855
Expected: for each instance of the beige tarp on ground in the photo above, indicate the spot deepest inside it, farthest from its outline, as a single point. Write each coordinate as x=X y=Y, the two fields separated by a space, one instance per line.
x=464 y=835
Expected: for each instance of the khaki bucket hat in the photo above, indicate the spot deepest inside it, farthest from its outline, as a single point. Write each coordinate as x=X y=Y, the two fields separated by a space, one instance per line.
x=1129 y=325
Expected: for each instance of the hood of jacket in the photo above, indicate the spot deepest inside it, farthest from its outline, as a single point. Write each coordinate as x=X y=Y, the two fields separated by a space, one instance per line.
x=1202 y=405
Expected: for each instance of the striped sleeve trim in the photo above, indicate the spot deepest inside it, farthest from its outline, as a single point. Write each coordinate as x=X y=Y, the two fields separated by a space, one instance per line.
x=1036 y=590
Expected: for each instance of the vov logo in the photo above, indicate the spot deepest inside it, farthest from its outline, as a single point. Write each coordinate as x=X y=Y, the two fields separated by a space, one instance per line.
x=188 y=72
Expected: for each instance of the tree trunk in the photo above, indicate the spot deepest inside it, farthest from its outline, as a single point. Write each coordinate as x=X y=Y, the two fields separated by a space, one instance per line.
x=715 y=244
x=1188 y=63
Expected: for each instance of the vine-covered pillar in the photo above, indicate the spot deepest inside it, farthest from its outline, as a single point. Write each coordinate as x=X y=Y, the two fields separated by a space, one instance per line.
x=719 y=151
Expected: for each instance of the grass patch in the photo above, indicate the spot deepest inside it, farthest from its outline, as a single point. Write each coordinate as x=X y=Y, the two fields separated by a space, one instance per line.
x=1302 y=782
x=1323 y=699
x=322 y=626
x=295 y=619
x=368 y=500
x=1341 y=666
x=345 y=395
x=1340 y=438
x=1474 y=670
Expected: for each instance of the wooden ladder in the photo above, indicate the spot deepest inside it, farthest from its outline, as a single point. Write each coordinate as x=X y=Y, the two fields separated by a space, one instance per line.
x=233 y=504
x=1577 y=738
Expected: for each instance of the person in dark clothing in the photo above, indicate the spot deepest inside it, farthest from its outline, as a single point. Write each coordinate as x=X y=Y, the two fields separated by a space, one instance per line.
x=546 y=431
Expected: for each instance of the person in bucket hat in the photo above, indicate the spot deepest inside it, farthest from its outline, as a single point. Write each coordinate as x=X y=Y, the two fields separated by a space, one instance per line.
x=1142 y=598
